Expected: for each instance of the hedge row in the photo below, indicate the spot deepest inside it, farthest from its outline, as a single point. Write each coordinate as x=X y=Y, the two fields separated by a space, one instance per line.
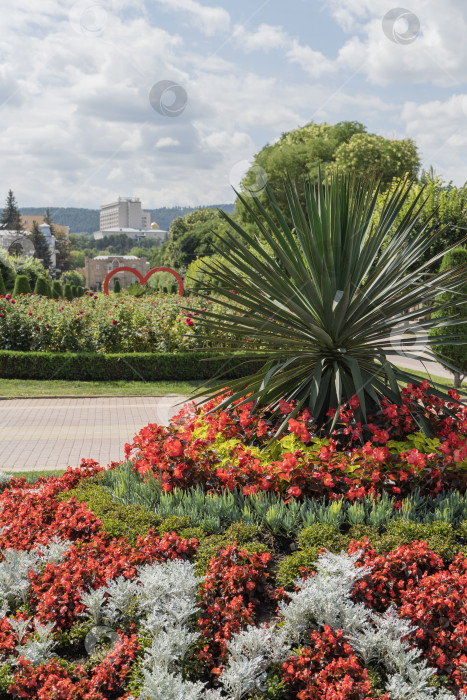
x=144 y=366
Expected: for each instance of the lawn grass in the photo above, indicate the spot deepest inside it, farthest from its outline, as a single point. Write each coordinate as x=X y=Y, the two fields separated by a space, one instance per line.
x=445 y=381
x=10 y=388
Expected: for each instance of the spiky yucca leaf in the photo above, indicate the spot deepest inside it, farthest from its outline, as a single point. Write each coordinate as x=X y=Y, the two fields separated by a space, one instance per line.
x=329 y=296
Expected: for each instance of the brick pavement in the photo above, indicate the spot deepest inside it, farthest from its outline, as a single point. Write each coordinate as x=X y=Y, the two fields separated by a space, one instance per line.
x=51 y=433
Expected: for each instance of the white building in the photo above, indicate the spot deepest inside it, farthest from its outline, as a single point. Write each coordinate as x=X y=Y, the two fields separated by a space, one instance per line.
x=125 y=213
x=139 y=234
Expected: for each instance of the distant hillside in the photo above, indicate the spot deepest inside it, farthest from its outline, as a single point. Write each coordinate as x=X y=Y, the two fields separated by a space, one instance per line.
x=87 y=220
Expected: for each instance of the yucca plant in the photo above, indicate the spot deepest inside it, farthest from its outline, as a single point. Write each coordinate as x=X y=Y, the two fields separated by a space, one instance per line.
x=325 y=293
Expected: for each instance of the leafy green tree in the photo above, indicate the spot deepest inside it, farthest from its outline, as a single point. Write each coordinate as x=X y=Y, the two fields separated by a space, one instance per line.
x=302 y=152
x=454 y=353
x=76 y=259
x=11 y=215
x=323 y=308
x=197 y=274
x=73 y=277
x=192 y=236
x=2 y=286
x=41 y=246
x=42 y=288
x=21 y=286
x=386 y=158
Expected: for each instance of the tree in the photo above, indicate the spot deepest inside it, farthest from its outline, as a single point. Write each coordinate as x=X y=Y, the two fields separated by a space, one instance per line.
x=192 y=236
x=41 y=246
x=302 y=152
x=2 y=286
x=76 y=259
x=21 y=286
x=386 y=158
x=456 y=354
x=324 y=308
x=117 y=288
x=68 y=294
x=62 y=244
x=11 y=215
x=31 y=267
x=73 y=277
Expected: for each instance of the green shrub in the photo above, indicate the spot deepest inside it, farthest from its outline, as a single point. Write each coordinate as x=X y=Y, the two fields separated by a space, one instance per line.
x=42 y=288
x=21 y=286
x=2 y=285
x=113 y=366
x=80 y=291
x=439 y=536
x=117 y=520
x=57 y=290
x=245 y=535
x=7 y=270
x=68 y=293
x=74 y=291
x=117 y=288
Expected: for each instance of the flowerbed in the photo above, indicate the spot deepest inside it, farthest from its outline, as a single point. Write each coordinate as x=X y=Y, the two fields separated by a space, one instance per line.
x=102 y=601
x=107 y=324
x=226 y=451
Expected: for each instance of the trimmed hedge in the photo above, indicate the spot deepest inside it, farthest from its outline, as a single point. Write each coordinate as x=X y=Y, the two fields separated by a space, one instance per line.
x=144 y=366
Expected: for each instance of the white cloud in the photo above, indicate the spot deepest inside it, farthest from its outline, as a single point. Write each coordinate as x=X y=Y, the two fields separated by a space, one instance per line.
x=265 y=38
x=210 y=20
x=166 y=142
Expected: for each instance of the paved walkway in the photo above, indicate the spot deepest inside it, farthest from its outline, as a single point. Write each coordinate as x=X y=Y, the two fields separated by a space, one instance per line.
x=38 y=434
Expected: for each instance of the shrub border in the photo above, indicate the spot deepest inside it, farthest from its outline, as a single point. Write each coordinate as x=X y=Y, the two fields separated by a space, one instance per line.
x=143 y=366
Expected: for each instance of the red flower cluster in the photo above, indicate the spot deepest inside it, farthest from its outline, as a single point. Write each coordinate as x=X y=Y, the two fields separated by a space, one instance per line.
x=56 y=590
x=327 y=669
x=52 y=682
x=234 y=586
x=185 y=453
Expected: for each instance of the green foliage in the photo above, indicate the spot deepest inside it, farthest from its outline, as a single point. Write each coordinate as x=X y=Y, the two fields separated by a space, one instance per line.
x=117 y=288
x=31 y=267
x=80 y=291
x=117 y=520
x=386 y=158
x=325 y=305
x=193 y=236
x=73 y=277
x=21 y=286
x=86 y=366
x=198 y=273
x=68 y=292
x=57 y=290
x=245 y=535
x=445 y=208
x=74 y=291
x=456 y=308
x=77 y=259
x=42 y=287
x=2 y=285
x=440 y=537
x=7 y=270
x=301 y=152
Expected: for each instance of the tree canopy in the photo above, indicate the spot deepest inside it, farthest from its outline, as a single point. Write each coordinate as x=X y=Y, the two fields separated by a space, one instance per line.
x=11 y=215
x=346 y=145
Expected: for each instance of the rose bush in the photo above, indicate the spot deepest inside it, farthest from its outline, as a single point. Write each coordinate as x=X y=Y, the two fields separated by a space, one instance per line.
x=100 y=323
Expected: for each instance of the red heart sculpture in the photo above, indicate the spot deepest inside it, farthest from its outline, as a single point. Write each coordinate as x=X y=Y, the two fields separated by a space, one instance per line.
x=144 y=279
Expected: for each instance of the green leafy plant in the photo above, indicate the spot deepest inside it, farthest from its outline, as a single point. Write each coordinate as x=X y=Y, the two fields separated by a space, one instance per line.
x=2 y=285
x=42 y=287
x=333 y=298
x=57 y=290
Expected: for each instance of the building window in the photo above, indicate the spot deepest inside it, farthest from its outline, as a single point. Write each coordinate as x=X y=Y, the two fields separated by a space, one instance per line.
x=98 y=280
x=98 y=267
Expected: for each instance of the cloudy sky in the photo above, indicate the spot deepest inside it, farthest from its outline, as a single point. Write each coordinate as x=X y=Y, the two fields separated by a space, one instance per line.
x=169 y=99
